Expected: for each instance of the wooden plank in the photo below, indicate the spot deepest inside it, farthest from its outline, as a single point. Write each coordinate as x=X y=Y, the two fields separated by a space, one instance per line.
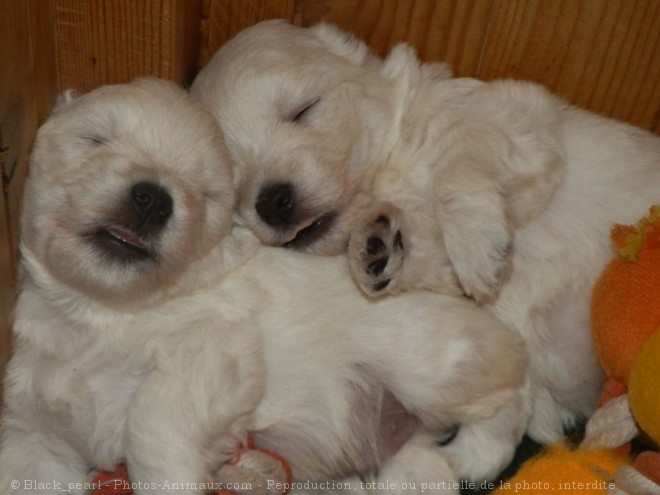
x=17 y=127
x=13 y=23
x=451 y=30
x=17 y=107
x=600 y=54
x=41 y=15
x=27 y=91
x=223 y=19
x=185 y=41
x=112 y=41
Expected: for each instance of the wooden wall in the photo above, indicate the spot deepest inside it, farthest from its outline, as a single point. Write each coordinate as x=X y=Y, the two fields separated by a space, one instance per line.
x=27 y=90
x=601 y=54
x=111 y=41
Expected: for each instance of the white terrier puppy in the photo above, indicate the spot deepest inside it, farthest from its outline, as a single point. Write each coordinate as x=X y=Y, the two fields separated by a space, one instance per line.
x=498 y=190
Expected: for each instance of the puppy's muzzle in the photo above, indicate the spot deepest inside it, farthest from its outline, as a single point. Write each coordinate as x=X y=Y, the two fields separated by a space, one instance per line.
x=131 y=233
x=296 y=226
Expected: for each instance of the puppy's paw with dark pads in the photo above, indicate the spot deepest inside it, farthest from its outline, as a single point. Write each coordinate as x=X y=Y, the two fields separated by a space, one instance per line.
x=376 y=251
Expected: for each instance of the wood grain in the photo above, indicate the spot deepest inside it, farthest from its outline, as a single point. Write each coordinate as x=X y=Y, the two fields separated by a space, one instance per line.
x=451 y=30
x=27 y=92
x=225 y=18
x=600 y=54
x=112 y=41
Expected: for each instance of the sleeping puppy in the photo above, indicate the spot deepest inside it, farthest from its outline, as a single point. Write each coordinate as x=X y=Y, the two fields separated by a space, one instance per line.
x=428 y=180
x=151 y=331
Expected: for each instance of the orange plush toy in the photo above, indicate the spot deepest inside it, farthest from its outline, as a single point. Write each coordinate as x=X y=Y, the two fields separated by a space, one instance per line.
x=626 y=326
x=626 y=329
x=626 y=301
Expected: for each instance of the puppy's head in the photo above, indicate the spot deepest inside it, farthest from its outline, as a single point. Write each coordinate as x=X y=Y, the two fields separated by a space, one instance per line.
x=306 y=114
x=128 y=185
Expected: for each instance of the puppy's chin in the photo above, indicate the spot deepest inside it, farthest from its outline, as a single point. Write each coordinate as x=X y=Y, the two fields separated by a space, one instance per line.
x=112 y=283
x=326 y=234
x=110 y=266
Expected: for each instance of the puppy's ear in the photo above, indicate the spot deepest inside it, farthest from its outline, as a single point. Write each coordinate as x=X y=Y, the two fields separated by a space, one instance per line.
x=344 y=44
x=403 y=60
x=438 y=70
x=402 y=63
x=66 y=97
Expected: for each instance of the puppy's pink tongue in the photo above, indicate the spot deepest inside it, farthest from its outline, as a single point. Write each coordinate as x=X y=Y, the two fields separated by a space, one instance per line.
x=126 y=236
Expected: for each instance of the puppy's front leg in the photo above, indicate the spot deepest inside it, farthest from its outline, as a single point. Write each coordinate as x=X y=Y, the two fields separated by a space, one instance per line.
x=499 y=170
x=418 y=467
x=472 y=214
x=482 y=448
x=191 y=411
x=37 y=463
x=469 y=374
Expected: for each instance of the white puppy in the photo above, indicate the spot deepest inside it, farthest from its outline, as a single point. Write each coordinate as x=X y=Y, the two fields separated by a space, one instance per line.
x=429 y=180
x=151 y=332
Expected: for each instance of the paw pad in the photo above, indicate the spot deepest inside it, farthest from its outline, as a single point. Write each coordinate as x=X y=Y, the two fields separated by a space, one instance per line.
x=376 y=251
x=375 y=245
x=377 y=267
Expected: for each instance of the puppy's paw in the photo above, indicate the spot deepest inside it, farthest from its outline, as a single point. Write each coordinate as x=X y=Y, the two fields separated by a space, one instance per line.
x=255 y=472
x=481 y=259
x=375 y=250
x=480 y=255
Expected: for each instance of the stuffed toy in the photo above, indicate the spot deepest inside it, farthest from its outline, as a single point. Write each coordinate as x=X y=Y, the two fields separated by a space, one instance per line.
x=626 y=330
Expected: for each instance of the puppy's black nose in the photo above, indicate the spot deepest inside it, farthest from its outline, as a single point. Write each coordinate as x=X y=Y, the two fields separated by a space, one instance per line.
x=275 y=204
x=152 y=203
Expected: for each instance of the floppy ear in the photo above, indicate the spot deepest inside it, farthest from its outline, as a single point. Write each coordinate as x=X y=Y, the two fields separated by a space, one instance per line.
x=402 y=64
x=437 y=70
x=66 y=97
x=344 y=44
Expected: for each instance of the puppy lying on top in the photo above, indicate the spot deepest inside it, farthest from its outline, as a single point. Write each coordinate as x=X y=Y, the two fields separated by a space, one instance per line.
x=497 y=190
x=150 y=331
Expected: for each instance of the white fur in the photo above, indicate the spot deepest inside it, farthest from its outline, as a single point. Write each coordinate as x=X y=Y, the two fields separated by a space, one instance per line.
x=500 y=190
x=166 y=360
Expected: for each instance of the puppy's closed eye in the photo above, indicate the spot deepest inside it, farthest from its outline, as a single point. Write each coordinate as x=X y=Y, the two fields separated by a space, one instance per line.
x=95 y=139
x=298 y=116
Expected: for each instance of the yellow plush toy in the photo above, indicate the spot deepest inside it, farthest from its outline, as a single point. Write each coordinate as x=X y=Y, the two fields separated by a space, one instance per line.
x=626 y=327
